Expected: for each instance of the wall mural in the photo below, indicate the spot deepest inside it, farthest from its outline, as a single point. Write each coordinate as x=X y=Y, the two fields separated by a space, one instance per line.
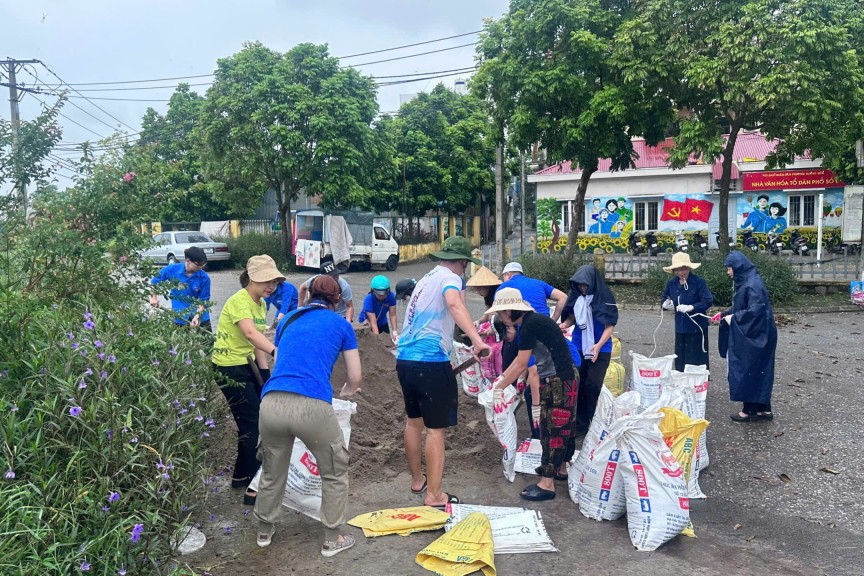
x=610 y=217
x=767 y=211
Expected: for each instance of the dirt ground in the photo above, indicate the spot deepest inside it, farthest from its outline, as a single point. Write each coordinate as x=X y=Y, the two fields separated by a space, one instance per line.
x=752 y=523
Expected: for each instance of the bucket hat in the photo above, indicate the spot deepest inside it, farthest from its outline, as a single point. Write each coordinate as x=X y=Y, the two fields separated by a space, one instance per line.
x=455 y=248
x=263 y=269
x=681 y=260
x=509 y=299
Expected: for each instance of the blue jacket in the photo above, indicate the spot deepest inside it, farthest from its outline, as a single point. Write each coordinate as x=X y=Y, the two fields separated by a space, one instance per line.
x=284 y=298
x=696 y=294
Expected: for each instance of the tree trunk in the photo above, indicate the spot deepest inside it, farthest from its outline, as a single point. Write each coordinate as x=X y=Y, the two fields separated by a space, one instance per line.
x=577 y=213
x=725 y=180
x=284 y=200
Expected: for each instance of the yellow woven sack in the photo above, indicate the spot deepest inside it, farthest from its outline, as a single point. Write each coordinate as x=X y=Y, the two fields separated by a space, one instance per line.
x=681 y=433
x=402 y=521
x=465 y=549
x=615 y=378
x=616 y=348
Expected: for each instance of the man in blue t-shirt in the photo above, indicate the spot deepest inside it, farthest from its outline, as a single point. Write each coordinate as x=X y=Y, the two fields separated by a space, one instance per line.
x=284 y=299
x=190 y=289
x=535 y=292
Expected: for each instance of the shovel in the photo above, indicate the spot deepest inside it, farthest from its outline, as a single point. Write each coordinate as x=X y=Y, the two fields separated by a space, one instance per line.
x=459 y=368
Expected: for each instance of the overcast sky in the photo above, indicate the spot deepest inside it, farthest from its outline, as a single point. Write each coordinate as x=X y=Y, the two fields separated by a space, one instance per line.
x=115 y=40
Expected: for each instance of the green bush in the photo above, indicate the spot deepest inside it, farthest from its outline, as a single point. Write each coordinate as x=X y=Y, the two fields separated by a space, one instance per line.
x=244 y=247
x=779 y=277
x=104 y=410
x=556 y=268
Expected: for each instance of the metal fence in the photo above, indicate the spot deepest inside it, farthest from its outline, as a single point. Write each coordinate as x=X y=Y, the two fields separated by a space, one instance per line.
x=263 y=226
x=490 y=255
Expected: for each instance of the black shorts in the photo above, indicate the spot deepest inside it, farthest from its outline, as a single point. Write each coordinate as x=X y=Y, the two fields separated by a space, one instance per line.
x=430 y=391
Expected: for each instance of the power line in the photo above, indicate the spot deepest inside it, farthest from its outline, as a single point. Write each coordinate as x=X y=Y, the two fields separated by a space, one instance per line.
x=91 y=103
x=412 y=55
x=67 y=117
x=409 y=45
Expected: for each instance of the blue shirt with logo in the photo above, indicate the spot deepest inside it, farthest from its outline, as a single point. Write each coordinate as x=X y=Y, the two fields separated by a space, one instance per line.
x=381 y=308
x=535 y=292
x=323 y=335
x=187 y=293
x=284 y=298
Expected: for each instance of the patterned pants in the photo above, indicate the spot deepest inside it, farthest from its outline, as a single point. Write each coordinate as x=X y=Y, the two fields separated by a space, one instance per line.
x=557 y=422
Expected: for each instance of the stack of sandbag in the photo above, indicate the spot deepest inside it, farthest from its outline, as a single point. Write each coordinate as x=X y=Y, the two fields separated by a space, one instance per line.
x=681 y=433
x=503 y=425
x=593 y=481
x=615 y=379
x=648 y=376
x=690 y=390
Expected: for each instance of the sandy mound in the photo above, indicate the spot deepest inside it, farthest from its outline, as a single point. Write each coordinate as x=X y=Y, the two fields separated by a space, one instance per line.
x=376 y=430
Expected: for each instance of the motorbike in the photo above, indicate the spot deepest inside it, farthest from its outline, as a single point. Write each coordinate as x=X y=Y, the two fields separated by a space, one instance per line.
x=749 y=241
x=681 y=242
x=775 y=243
x=651 y=242
x=798 y=243
x=634 y=244
x=700 y=243
x=731 y=239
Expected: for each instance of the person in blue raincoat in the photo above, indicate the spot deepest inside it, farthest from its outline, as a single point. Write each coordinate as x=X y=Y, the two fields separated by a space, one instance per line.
x=688 y=295
x=748 y=341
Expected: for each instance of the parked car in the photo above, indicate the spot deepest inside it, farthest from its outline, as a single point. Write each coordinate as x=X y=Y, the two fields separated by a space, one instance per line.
x=169 y=247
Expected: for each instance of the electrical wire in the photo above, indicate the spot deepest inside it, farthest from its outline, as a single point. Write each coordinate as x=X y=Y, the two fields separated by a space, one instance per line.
x=412 y=55
x=68 y=118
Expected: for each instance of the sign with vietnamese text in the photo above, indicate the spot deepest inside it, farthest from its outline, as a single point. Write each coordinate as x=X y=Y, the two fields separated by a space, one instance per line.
x=790 y=180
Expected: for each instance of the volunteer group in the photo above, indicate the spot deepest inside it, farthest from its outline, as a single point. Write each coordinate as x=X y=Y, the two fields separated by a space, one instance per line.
x=558 y=358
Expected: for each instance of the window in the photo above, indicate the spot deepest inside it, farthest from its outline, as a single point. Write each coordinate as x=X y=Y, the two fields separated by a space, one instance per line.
x=161 y=239
x=802 y=210
x=646 y=215
x=567 y=217
x=381 y=234
x=190 y=237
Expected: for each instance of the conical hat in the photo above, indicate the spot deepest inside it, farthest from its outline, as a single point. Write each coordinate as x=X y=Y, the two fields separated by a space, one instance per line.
x=484 y=277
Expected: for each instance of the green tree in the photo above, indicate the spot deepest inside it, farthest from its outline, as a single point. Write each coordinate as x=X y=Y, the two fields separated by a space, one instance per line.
x=167 y=147
x=790 y=69
x=291 y=122
x=547 y=69
x=442 y=155
x=25 y=163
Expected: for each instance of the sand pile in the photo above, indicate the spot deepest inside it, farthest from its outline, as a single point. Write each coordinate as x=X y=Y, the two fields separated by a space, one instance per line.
x=376 y=430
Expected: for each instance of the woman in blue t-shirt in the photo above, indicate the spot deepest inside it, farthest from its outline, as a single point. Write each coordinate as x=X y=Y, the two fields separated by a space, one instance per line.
x=379 y=304
x=297 y=403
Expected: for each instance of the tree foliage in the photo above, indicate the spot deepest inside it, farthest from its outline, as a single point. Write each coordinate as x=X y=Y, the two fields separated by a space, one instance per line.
x=547 y=69
x=790 y=69
x=291 y=122
x=443 y=156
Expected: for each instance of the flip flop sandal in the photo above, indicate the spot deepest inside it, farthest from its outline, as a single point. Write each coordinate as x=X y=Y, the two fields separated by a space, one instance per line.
x=450 y=500
x=249 y=499
x=422 y=488
x=536 y=494
x=333 y=547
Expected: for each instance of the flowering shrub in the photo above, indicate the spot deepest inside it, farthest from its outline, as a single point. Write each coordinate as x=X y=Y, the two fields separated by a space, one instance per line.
x=104 y=405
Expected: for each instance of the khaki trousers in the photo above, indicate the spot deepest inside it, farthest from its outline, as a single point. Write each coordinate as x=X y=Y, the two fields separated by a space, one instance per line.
x=284 y=416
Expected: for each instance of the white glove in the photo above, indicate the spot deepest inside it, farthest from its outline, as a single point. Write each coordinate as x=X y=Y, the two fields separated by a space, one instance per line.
x=728 y=319
x=668 y=304
x=535 y=415
x=520 y=384
x=684 y=308
x=498 y=399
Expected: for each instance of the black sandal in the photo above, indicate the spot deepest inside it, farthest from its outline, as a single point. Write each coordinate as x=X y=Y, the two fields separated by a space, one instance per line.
x=765 y=415
x=746 y=418
x=249 y=499
x=534 y=493
x=238 y=483
x=450 y=500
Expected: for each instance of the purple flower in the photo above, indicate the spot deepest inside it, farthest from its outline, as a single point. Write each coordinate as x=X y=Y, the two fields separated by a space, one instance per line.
x=109 y=434
x=121 y=572
x=88 y=325
x=184 y=508
x=123 y=369
x=130 y=333
x=173 y=351
x=133 y=440
x=199 y=418
x=88 y=315
x=103 y=375
x=101 y=355
x=10 y=474
x=70 y=335
x=155 y=362
x=188 y=362
x=212 y=517
x=210 y=424
x=227 y=529
x=98 y=343
x=85 y=566
x=88 y=372
x=82 y=384
x=137 y=530
x=106 y=509
x=191 y=403
x=166 y=476
x=83 y=352
x=246 y=512
x=112 y=359
x=113 y=497
x=204 y=435
x=75 y=346
x=75 y=411
x=14 y=408
x=54 y=306
x=182 y=411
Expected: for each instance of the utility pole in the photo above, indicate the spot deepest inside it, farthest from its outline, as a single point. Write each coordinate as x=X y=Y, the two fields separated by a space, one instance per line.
x=499 y=206
x=11 y=65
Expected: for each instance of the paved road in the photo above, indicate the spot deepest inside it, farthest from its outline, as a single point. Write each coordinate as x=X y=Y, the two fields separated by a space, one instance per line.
x=752 y=520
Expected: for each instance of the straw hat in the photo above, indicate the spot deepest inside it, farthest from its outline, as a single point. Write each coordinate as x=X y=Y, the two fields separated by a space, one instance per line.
x=484 y=277
x=681 y=260
x=509 y=299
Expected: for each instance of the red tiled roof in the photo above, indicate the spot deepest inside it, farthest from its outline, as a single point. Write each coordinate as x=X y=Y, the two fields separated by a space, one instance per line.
x=748 y=147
